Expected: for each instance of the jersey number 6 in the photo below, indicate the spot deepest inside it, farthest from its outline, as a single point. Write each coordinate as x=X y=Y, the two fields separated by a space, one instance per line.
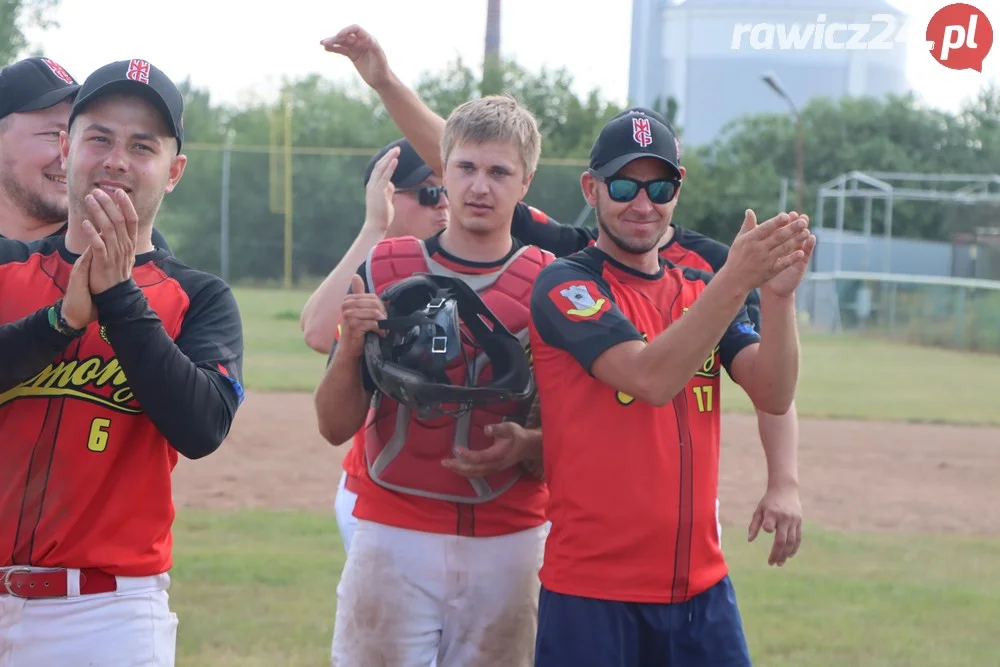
x=98 y=440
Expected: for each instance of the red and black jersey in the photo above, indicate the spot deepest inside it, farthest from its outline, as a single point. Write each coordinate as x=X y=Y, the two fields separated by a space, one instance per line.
x=632 y=486
x=685 y=248
x=92 y=426
x=158 y=241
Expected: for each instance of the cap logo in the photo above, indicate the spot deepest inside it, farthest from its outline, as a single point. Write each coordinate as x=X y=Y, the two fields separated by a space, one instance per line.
x=641 y=131
x=138 y=70
x=58 y=70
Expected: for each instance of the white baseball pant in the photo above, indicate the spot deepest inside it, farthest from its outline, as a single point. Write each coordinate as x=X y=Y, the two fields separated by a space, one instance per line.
x=130 y=627
x=343 y=507
x=407 y=598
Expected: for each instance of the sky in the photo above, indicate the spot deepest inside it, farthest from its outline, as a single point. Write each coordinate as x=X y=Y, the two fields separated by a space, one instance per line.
x=238 y=53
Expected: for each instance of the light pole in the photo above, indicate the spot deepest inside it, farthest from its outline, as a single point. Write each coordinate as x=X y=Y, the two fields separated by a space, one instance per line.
x=771 y=79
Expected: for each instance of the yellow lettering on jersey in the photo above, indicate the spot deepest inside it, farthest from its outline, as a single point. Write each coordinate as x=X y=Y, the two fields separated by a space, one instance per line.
x=82 y=379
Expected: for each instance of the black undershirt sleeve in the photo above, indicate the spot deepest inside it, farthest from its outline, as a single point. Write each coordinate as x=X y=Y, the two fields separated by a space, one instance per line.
x=190 y=388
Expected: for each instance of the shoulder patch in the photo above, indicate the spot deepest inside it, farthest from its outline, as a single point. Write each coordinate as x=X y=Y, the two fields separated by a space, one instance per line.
x=579 y=300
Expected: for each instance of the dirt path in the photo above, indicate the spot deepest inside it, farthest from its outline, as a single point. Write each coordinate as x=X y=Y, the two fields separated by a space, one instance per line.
x=853 y=475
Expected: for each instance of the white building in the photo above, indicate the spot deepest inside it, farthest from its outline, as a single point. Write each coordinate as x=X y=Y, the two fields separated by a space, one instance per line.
x=709 y=55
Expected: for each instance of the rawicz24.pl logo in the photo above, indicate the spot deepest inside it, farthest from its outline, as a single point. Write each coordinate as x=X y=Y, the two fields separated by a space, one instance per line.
x=959 y=36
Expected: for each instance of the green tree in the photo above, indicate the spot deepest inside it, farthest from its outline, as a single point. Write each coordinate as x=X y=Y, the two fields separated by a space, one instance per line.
x=17 y=16
x=744 y=166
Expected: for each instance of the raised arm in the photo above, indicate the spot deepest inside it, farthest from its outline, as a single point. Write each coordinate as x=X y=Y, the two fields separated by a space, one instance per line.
x=189 y=387
x=612 y=349
x=321 y=314
x=418 y=123
x=769 y=373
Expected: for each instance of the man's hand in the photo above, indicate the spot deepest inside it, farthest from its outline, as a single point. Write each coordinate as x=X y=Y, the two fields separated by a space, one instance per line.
x=761 y=252
x=379 y=211
x=78 y=307
x=368 y=57
x=512 y=444
x=779 y=512
x=785 y=283
x=111 y=229
x=360 y=313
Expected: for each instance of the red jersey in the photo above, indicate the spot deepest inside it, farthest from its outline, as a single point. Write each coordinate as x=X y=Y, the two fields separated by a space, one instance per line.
x=92 y=426
x=519 y=508
x=632 y=486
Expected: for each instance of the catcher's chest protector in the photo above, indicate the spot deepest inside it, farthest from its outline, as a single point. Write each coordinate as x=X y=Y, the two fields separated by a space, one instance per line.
x=404 y=452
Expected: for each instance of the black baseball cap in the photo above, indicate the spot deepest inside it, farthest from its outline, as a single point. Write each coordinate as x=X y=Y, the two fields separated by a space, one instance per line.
x=136 y=77
x=632 y=134
x=33 y=84
x=410 y=169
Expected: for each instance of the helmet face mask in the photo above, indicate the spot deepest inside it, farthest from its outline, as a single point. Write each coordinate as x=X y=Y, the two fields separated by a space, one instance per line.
x=433 y=322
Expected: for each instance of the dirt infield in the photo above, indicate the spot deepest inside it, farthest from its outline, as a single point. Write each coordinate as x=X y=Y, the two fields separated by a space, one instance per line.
x=853 y=475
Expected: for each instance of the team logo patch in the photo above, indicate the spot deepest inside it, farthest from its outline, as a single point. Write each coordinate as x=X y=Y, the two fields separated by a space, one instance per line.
x=580 y=300
x=58 y=70
x=138 y=70
x=641 y=132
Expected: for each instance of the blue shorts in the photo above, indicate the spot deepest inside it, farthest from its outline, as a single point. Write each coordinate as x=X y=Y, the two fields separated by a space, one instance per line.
x=586 y=632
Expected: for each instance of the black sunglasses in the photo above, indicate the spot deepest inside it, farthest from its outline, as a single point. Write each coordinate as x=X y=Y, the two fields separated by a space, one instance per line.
x=428 y=195
x=623 y=189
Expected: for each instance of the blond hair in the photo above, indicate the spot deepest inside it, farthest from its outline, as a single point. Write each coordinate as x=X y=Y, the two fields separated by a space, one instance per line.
x=499 y=118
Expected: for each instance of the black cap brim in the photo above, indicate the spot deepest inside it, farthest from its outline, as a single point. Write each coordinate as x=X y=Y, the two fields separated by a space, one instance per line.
x=132 y=88
x=416 y=177
x=49 y=99
x=614 y=166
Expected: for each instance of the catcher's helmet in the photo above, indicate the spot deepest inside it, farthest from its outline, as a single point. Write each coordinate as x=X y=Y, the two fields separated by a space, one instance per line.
x=425 y=335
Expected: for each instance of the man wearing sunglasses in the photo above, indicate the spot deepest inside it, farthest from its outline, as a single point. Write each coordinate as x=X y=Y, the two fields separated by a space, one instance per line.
x=403 y=197
x=780 y=509
x=628 y=352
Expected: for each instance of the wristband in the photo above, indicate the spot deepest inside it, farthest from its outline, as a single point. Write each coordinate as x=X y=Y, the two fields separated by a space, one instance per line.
x=59 y=323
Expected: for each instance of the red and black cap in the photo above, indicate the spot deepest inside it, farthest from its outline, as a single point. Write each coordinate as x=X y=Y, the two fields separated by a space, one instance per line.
x=410 y=168
x=33 y=84
x=136 y=77
x=633 y=134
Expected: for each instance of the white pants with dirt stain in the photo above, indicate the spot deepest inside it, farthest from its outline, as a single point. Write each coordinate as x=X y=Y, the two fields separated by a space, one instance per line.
x=130 y=627
x=407 y=598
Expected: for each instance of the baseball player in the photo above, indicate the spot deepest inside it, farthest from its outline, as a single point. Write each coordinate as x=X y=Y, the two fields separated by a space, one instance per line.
x=437 y=567
x=779 y=510
x=633 y=572
x=402 y=198
x=114 y=359
x=35 y=99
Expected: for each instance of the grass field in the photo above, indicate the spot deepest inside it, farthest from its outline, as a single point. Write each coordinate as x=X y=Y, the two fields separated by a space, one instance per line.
x=876 y=601
x=257 y=587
